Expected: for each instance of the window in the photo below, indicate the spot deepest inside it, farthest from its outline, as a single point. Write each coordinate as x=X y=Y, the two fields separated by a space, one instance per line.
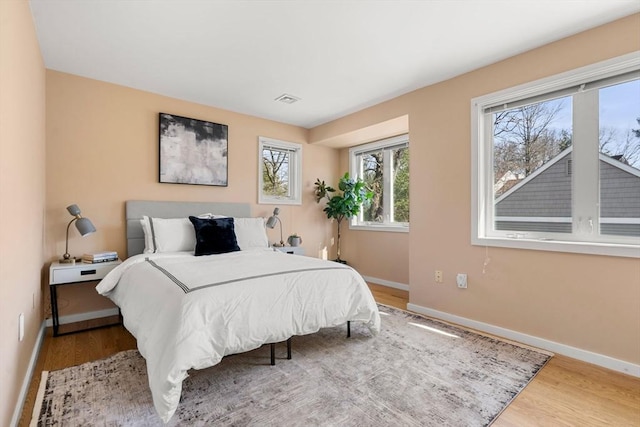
x=279 y=172
x=556 y=163
x=384 y=167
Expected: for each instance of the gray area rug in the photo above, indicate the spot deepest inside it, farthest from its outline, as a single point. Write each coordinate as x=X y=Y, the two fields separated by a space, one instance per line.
x=416 y=372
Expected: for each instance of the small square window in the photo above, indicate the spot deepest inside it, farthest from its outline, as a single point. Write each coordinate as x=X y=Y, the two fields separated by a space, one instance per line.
x=279 y=172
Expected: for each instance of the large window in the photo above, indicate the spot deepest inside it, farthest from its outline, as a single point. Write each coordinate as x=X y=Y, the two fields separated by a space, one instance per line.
x=279 y=172
x=384 y=167
x=557 y=162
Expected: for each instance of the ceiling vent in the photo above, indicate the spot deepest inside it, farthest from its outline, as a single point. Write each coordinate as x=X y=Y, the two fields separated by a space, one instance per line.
x=287 y=99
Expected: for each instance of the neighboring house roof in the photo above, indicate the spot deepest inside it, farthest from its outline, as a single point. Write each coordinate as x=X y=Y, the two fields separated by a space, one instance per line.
x=543 y=200
x=508 y=185
x=508 y=180
x=613 y=161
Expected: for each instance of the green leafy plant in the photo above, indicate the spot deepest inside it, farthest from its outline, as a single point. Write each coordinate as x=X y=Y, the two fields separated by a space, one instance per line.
x=345 y=205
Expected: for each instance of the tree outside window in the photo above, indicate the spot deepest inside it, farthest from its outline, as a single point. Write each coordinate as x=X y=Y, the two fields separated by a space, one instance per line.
x=275 y=172
x=279 y=172
x=384 y=167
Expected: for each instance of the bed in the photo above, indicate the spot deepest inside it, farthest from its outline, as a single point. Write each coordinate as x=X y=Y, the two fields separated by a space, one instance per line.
x=188 y=312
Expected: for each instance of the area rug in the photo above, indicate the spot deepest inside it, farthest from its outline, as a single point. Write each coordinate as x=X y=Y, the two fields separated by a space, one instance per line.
x=416 y=372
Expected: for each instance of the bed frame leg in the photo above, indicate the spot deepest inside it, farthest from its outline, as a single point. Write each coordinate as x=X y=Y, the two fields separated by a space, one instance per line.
x=273 y=354
x=273 y=351
x=348 y=328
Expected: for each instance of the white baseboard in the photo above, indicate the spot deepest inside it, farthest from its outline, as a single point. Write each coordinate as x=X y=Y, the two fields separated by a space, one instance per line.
x=17 y=412
x=573 y=352
x=80 y=317
x=388 y=283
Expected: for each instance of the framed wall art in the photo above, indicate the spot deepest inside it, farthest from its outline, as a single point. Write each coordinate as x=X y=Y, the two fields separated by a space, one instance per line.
x=193 y=151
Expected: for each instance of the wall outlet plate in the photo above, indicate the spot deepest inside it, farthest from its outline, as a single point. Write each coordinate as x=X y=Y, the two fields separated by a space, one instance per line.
x=21 y=327
x=461 y=280
x=438 y=276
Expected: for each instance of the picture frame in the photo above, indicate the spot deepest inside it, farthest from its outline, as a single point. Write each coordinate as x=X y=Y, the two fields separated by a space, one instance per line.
x=192 y=151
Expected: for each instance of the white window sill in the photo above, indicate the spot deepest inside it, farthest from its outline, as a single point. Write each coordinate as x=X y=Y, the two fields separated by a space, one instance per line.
x=610 y=249
x=385 y=227
x=277 y=201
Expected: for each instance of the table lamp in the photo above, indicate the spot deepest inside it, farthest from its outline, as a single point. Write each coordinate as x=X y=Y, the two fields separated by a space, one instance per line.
x=83 y=225
x=271 y=223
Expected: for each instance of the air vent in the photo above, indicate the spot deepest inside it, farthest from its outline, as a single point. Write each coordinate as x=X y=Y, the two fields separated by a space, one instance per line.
x=287 y=99
x=569 y=167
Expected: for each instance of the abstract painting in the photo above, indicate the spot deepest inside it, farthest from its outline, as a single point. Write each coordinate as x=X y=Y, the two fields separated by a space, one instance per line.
x=193 y=151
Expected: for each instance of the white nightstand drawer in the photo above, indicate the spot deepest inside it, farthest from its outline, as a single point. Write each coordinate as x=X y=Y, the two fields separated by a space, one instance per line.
x=80 y=272
x=293 y=250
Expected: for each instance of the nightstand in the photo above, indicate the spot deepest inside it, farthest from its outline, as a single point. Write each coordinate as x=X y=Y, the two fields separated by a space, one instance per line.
x=293 y=250
x=69 y=274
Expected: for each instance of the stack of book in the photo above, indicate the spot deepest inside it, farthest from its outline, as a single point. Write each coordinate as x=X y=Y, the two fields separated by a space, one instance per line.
x=100 y=257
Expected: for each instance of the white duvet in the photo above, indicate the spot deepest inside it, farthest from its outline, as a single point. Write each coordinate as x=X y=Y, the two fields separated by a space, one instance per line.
x=187 y=312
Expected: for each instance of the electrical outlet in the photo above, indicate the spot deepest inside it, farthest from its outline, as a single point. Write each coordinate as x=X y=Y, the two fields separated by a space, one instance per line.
x=438 y=276
x=461 y=279
x=21 y=327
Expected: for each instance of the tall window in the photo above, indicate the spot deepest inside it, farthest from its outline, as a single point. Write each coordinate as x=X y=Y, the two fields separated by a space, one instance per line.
x=279 y=172
x=384 y=167
x=558 y=162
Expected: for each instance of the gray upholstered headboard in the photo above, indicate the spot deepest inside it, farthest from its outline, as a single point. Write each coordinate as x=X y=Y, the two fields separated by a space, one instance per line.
x=136 y=209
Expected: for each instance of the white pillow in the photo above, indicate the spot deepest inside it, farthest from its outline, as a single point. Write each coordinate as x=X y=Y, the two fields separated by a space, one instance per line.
x=173 y=235
x=251 y=233
x=169 y=234
x=149 y=247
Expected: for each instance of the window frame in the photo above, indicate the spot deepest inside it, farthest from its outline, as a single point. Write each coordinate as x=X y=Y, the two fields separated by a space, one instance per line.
x=482 y=230
x=356 y=223
x=294 y=174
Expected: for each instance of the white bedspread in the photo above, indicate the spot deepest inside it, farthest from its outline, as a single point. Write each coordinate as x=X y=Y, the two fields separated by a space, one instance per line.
x=188 y=312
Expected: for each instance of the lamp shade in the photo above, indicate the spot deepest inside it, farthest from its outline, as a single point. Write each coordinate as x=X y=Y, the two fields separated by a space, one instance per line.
x=272 y=221
x=85 y=226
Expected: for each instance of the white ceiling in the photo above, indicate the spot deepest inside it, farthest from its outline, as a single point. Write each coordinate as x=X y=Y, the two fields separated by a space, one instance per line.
x=337 y=56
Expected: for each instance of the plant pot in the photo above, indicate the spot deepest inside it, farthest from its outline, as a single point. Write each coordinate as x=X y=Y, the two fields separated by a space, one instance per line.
x=294 y=241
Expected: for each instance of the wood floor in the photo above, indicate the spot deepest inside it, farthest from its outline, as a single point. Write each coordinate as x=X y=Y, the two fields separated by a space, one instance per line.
x=566 y=392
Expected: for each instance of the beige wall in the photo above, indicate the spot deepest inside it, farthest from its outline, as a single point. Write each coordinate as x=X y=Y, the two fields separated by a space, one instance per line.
x=22 y=191
x=377 y=255
x=102 y=149
x=585 y=301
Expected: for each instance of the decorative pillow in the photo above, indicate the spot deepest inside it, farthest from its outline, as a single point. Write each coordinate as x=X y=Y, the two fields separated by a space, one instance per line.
x=251 y=233
x=214 y=235
x=169 y=234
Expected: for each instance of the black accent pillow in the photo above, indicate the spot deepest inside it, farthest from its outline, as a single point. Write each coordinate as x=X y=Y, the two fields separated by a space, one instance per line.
x=214 y=235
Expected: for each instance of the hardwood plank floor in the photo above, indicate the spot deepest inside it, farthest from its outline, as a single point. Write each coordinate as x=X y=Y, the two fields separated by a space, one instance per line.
x=566 y=392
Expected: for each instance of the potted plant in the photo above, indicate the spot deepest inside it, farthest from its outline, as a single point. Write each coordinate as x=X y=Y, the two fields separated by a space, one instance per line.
x=345 y=205
x=294 y=240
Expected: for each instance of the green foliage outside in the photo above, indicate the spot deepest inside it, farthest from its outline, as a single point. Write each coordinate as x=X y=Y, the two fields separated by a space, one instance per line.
x=373 y=175
x=401 y=187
